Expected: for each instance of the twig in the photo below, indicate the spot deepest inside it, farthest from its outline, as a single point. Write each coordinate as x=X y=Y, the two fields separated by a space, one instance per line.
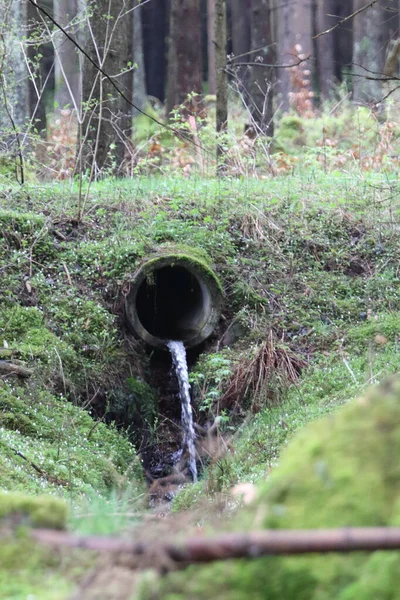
x=68 y=274
x=50 y=478
x=271 y=66
x=346 y=364
x=360 y=10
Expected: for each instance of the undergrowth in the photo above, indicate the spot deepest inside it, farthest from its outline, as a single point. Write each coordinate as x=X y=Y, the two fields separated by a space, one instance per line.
x=309 y=265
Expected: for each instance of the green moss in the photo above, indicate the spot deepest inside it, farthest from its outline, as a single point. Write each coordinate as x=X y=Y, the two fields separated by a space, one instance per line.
x=28 y=569
x=343 y=458
x=338 y=471
x=20 y=423
x=386 y=325
x=194 y=258
x=25 y=232
x=40 y=511
x=291 y=129
x=65 y=442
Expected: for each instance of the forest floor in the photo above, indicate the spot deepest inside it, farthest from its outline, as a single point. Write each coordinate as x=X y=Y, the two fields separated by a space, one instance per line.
x=309 y=263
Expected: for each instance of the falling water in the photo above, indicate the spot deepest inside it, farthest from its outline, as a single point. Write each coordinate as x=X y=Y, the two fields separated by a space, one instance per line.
x=178 y=353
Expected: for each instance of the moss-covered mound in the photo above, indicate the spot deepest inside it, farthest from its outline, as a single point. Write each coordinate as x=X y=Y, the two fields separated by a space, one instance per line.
x=60 y=332
x=41 y=511
x=49 y=444
x=342 y=470
x=27 y=569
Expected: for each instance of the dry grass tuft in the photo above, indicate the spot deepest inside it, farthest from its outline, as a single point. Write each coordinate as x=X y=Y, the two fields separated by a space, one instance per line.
x=273 y=365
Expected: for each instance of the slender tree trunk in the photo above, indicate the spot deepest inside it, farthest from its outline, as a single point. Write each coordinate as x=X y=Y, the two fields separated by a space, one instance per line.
x=219 y=39
x=67 y=72
x=284 y=46
x=390 y=88
x=391 y=23
x=14 y=85
x=343 y=39
x=37 y=104
x=325 y=19
x=211 y=46
x=139 y=75
x=185 y=52
x=14 y=92
x=368 y=52
x=294 y=38
x=262 y=78
x=106 y=130
x=155 y=33
x=241 y=41
x=241 y=36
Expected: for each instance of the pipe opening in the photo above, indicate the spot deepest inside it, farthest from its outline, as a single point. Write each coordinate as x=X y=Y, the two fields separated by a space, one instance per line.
x=173 y=298
x=172 y=304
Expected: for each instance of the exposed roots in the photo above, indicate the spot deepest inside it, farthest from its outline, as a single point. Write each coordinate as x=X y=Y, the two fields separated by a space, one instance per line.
x=271 y=367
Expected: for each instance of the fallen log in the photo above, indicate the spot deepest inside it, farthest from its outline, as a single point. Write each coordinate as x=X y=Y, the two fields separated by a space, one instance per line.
x=8 y=368
x=233 y=545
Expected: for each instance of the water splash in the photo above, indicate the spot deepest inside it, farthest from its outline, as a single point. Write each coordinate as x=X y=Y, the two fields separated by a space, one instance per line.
x=178 y=353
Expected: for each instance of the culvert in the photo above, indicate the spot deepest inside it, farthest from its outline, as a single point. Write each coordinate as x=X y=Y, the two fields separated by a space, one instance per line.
x=174 y=297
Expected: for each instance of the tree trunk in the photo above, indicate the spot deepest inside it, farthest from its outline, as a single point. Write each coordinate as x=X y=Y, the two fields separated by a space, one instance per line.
x=390 y=88
x=106 y=130
x=67 y=71
x=185 y=52
x=284 y=48
x=219 y=41
x=368 y=52
x=155 y=33
x=262 y=78
x=43 y=78
x=325 y=19
x=211 y=47
x=343 y=39
x=14 y=85
x=14 y=98
x=391 y=20
x=294 y=39
x=241 y=38
x=139 y=76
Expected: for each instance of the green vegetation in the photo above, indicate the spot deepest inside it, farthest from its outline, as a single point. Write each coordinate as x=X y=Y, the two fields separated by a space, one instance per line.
x=307 y=260
x=338 y=471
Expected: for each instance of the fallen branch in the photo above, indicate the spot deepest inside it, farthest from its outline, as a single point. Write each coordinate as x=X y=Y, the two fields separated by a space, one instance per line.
x=233 y=545
x=50 y=478
x=8 y=368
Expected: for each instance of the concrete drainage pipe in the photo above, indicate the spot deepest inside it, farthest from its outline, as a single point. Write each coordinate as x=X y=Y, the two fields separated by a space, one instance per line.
x=174 y=297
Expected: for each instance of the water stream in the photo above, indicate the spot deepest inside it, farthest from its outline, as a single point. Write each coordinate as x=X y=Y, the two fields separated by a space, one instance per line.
x=178 y=353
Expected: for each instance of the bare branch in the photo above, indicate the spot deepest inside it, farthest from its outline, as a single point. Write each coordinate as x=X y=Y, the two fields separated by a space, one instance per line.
x=261 y=64
x=360 y=10
x=227 y=546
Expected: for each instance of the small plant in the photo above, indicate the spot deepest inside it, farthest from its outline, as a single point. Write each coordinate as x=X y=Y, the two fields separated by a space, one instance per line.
x=259 y=378
x=208 y=379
